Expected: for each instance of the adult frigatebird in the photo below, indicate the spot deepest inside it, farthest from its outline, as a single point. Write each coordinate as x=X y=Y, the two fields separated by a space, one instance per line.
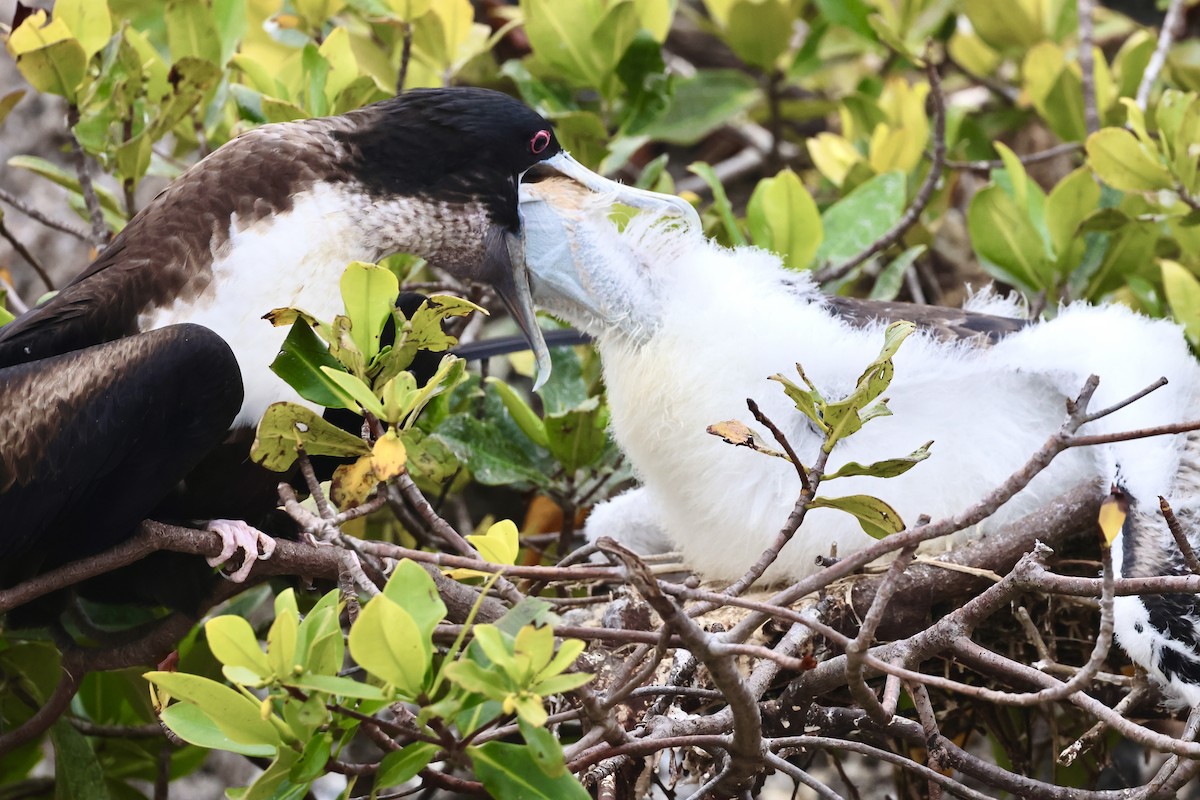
x=113 y=390
x=687 y=330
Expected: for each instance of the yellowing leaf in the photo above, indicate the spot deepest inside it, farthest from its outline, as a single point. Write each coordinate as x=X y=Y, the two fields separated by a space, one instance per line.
x=48 y=55
x=1113 y=512
x=89 y=20
x=388 y=456
x=500 y=544
x=286 y=426
x=833 y=155
x=353 y=483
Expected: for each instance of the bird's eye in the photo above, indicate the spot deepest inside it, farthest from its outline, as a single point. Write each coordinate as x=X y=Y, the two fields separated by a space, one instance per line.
x=539 y=142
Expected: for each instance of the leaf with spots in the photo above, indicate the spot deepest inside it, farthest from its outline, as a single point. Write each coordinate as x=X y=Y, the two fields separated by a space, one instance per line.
x=876 y=517
x=288 y=426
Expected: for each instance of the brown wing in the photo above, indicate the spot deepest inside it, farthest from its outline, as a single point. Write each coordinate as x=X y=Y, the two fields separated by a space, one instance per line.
x=948 y=324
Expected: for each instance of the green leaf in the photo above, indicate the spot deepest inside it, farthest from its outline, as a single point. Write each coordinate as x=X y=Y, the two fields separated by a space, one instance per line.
x=759 y=31
x=858 y=219
x=386 y=641
x=806 y=400
x=190 y=723
x=1070 y=201
x=528 y=421
x=478 y=680
x=313 y=760
x=299 y=364
x=236 y=715
x=510 y=770
x=1003 y=235
x=891 y=278
x=8 y=102
x=191 y=31
x=233 y=642
x=1183 y=295
x=412 y=588
x=887 y=468
x=1123 y=162
x=720 y=202
x=560 y=35
x=353 y=386
x=783 y=217
x=403 y=765
x=544 y=747
x=286 y=426
x=578 y=438
x=332 y=684
x=369 y=294
x=66 y=179
x=876 y=517
x=702 y=103
x=77 y=771
x=850 y=14
x=281 y=640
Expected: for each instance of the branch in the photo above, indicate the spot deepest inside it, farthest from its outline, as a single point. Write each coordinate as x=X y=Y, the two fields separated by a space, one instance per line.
x=1172 y=23
x=34 y=214
x=25 y=254
x=100 y=232
x=1091 y=116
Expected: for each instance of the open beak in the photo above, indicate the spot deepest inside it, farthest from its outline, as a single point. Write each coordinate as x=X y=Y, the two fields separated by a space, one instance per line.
x=514 y=288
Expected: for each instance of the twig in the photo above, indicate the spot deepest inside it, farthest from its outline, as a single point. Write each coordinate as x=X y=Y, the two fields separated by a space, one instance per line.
x=25 y=254
x=1091 y=116
x=405 y=55
x=783 y=442
x=34 y=214
x=444 y=529
x=857 y=648
x=1033 y=158
x=800 y=776
x=824 y=743
x=1172 y=23
x=15 y=303
x=1083 y=744
x=913 y=213
x=745 y=746
x=1181 y=539
x=100 y=232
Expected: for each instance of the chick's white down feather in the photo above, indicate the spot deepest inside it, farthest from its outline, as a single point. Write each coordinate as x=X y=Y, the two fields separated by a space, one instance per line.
x=688 y=330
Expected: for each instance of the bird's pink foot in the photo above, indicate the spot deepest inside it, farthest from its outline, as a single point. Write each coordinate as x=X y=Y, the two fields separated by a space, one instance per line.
x=237 y=535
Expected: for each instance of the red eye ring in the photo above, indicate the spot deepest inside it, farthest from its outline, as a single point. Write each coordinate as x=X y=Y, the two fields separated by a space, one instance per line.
x=539 y=142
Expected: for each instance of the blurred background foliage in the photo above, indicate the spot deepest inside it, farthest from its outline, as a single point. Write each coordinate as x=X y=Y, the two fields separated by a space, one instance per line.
x=809 y=127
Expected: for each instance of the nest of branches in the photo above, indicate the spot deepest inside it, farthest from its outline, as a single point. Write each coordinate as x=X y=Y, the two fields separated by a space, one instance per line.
x=929 y=664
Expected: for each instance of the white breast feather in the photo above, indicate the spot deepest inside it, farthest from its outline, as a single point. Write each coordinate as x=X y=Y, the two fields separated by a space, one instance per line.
x=294 y=259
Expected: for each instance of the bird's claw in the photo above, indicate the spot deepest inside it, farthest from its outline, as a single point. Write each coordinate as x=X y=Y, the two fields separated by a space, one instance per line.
x=237 y=535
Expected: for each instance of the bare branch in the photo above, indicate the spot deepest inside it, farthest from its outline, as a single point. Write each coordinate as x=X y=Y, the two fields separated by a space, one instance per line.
x=1171 y=27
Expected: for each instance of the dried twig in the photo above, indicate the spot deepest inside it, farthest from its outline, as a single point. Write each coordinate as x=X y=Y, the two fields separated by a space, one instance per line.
x=1172 y=25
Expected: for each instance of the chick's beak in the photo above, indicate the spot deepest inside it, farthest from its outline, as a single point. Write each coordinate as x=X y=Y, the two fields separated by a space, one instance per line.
x=513 y=283
x=620 y=193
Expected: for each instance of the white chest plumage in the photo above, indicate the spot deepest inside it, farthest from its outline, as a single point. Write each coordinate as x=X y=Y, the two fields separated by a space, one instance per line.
x=294 y=259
